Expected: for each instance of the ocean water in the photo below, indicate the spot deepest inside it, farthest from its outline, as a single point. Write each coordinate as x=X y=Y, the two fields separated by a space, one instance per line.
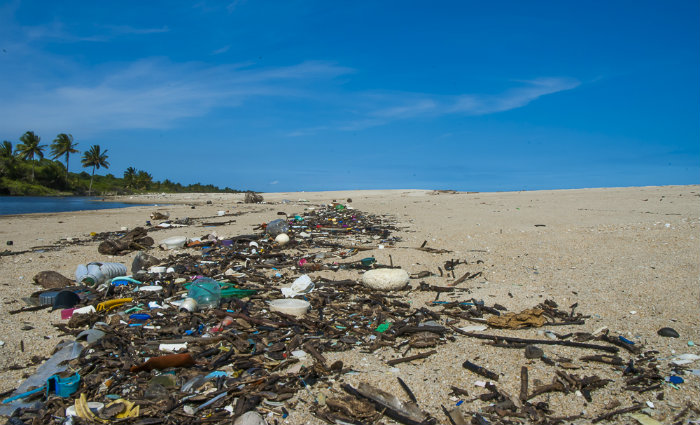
x=46 y=204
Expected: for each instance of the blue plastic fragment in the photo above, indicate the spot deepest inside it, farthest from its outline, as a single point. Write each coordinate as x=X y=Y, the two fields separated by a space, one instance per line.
x=675 y=379
x=459 y=402
x=140 y=316
x=625 y=340
x=63 y=387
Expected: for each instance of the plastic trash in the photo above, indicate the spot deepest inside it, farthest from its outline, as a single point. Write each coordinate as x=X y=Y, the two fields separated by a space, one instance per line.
x=250 y=418
x=66 y=299
x=97 y=273
x=54 y=365
x=206 y=292
x=302 y=285
x=91 y=335
x=174 y=242
x=275 y=227
x=292 y=307
x=684 y=359
x=63 y=387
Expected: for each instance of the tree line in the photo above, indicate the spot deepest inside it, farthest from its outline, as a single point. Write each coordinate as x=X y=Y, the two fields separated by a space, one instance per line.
x=46 y=177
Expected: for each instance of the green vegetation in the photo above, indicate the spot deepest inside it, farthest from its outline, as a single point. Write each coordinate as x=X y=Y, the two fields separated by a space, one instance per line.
x=25 y=171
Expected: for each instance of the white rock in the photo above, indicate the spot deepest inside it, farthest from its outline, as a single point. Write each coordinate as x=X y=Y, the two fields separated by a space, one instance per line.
x=250 y=418
x=385 y=279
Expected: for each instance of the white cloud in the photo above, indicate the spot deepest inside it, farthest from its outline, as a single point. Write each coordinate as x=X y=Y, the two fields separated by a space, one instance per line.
x=512 y=98
x=221 y=50
x=150 y=94
x=385 y=108
x=127 y=29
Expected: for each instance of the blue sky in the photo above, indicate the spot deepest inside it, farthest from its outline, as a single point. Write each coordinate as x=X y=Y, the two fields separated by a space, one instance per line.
x=318 y=95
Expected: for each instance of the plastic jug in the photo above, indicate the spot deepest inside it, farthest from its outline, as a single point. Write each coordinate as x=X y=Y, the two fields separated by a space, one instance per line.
x=275 y=227
x=206 y=292
x=98 y=273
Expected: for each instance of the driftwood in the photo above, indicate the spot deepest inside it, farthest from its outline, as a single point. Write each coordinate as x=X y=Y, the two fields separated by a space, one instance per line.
x=538 y=341
x=406 y=413
x=136 y=239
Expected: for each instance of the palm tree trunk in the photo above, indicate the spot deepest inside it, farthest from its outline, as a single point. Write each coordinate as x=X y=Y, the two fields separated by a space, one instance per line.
x=66 y=166
x=32 y=171
x=93 y=175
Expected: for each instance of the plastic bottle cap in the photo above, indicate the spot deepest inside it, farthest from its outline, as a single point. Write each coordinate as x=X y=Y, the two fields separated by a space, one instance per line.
x=88 y=281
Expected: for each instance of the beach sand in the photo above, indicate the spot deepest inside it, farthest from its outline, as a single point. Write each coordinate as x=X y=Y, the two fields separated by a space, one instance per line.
x=630 y=258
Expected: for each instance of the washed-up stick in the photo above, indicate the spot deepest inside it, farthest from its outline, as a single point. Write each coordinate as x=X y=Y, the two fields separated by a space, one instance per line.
x=523 y=383
x=415 y=329
x=479 y=370
x=609 y=415
x=634 y=349
x=411 y=358
x=459 y=391
x=407 y=389
x=555 y=386
x=467 y=276
x=603 y=358
x=32 y=308
x=538 y=341
x=315 y=354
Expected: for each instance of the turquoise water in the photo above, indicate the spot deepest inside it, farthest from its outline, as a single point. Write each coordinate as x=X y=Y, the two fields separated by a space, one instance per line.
x=45 y=204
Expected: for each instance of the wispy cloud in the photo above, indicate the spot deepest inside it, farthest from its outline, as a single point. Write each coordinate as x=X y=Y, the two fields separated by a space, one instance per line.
x=513 y=98
x=385 y=108
x=127 y=29
x=221 y=50
x=151 y=94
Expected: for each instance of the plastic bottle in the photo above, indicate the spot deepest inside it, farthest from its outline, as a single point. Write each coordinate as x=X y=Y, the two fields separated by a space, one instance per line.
x=206 y=292
x=275 y=227
x=98 y=273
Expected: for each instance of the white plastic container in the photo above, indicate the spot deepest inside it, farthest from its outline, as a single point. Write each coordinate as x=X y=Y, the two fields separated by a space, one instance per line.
x=98 y=273
x=174 y=242
x=290 y=306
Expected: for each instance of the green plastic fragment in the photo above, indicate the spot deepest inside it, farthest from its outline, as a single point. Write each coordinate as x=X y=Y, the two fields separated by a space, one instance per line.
x=691 y=344
x=368 y=261
x=383 y=327
x=135 y=308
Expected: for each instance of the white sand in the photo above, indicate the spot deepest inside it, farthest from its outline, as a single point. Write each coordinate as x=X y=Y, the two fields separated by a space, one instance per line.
x=629 y=257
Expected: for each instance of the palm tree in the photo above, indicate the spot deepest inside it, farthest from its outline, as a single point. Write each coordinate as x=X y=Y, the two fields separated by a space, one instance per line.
x=6 y=157
x=143 y=179
x=94 y=158
x=6 y=149
x=130 y=177
x=63 y=145
x=29 y=148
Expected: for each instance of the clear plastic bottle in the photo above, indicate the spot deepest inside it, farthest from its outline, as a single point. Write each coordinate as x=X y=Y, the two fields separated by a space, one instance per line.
x=275 y=227
x=97 y=273
x=206 y=292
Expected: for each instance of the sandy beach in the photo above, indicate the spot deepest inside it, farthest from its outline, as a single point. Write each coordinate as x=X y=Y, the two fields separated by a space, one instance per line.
x=629 y=257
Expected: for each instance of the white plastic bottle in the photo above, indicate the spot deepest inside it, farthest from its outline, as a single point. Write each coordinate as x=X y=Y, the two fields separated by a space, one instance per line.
x=98 y=273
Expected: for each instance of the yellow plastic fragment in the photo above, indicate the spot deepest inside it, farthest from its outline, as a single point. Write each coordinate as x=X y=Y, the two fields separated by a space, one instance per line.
x=130 y=411
x=84 y=412
x=108 y=305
